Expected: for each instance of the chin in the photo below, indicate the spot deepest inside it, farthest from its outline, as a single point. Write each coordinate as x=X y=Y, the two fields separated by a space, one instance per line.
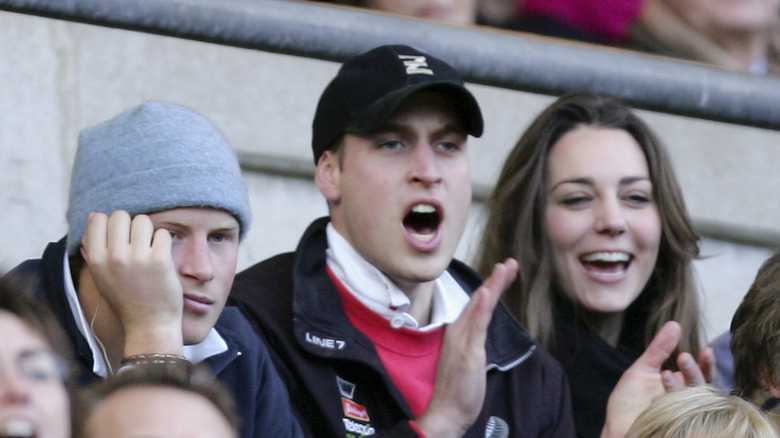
x=195 y=335
x=607 y=307
x=428 y=272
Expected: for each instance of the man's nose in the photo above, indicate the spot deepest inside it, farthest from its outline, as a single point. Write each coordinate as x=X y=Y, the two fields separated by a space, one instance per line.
x=425 y=166
x=196 y=260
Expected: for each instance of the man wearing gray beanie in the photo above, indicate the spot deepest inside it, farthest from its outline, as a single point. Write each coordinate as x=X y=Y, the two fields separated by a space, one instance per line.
x=156 y=211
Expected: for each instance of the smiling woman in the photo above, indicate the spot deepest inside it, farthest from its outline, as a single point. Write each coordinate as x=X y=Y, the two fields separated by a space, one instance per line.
x=603 y=226
x=589 y=205
x=735 y=34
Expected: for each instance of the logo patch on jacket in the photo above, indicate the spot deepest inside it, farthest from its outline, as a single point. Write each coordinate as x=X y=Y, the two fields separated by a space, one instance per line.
x=330 y=344
x=354 y=410
x=356 y=419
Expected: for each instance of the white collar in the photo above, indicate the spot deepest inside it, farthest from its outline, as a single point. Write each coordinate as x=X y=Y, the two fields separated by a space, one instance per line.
x=99 y=365
x=213 y=344
x=372 y=288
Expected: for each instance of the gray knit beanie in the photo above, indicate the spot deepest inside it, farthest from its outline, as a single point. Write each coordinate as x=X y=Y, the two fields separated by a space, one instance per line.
x=154 y=157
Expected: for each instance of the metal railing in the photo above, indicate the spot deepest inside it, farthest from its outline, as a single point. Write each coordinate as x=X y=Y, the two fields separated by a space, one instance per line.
x=504 y=59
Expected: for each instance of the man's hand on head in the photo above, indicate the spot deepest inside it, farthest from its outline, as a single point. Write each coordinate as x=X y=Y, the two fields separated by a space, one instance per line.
x=132 y=267
x=461 y=375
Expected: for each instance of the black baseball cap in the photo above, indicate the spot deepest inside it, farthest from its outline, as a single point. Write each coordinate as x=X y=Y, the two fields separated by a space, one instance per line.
x=370 y=87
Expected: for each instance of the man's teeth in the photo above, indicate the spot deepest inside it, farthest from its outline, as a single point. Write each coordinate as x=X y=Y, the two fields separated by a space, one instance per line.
x=423 y=237
x=606 y=257
x=423 y=208
x=18 y=428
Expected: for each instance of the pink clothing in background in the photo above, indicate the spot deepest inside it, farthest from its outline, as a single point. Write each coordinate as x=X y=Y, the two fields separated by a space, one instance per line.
x=611 y=19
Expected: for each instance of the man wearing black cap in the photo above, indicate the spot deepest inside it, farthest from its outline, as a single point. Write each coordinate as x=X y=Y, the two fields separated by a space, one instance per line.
x=372 y=325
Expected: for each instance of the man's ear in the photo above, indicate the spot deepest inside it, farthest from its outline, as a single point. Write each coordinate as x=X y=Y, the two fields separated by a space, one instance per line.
x=328 y=176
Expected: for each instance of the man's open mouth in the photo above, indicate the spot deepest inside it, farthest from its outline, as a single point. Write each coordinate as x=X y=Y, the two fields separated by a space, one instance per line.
x=422 y=221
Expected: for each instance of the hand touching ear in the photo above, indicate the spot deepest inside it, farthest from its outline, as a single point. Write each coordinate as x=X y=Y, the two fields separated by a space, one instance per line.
x=132 y=267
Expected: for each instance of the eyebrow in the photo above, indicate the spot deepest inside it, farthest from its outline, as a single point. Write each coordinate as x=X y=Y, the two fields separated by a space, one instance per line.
x=626 y=180
x=393 y=126
x=221 y=227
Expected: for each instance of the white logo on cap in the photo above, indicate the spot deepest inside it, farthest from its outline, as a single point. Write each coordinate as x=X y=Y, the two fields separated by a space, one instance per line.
x=415 y=65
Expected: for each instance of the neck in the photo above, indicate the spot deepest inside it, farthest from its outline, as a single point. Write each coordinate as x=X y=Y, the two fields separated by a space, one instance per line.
x=421 y=297
x=606 y=325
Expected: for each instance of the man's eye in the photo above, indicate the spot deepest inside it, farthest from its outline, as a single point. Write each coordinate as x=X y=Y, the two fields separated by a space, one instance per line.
x=450 y=146
x=391 y=144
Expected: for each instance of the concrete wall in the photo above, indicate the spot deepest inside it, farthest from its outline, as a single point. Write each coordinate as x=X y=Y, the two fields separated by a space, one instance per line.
x=58 y=77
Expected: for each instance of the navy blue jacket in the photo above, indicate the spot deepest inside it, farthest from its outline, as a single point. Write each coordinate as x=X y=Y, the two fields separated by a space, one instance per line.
x=246 y=368
x=337 y=382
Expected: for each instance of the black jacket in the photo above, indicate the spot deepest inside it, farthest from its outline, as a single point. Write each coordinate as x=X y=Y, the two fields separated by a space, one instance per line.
x=246 y=370
x=592 y=367
x=337 y=383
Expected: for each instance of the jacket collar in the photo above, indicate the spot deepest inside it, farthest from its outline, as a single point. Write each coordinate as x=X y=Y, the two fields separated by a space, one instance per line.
x=323 y=328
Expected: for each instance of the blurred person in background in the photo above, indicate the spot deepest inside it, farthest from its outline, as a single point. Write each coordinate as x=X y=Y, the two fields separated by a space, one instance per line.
x=448 y=11
x=594 y=21
x=740 y=35
x=755 y=341
x=156 y=401
x=701 y=412
x=498 y=13
x=34 y=384
x=604 y=22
